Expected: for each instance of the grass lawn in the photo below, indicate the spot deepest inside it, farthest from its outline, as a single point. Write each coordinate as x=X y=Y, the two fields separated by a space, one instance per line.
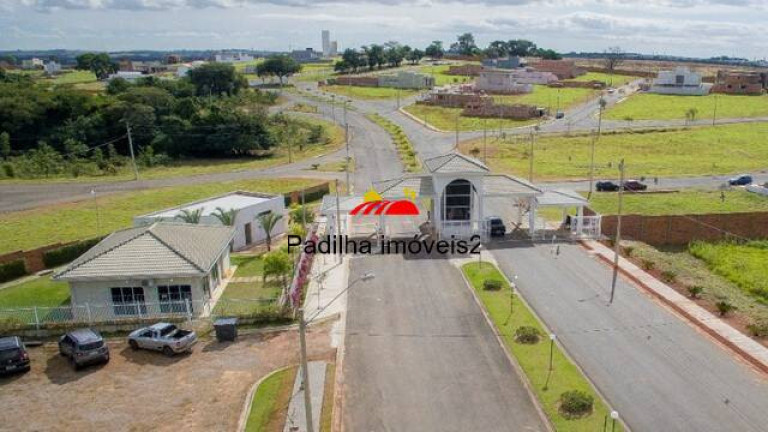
x=40 y=291
x=647 y=106
x=441 y=77
x=326 y=415
x=33 y=228
x=356 y=92
x=270 y=402
x=404 y=146
x=547 y=97
x=742 y=264
x=445 y=119
x=75 y=77
x=618 y=80
x=534 y=358
x=191 y=167
x=725 y=149
x=684 y=202
x=724 y=271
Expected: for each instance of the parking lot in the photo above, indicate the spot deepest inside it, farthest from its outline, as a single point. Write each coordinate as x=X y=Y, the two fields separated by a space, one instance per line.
x=141 y=390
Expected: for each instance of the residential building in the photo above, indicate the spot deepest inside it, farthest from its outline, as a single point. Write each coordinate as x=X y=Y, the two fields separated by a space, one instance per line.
x=52 y=68
x=183 y=69
x=33 y=63
x=307 y=55
x=130 y=76
x=165 y=266
x=334 y=49
x=738 y=82
x=501 y=81
x=681 y=81
x=232 y=57
x=513 y=62
x=247 y=205
x=563 y=69
x=407 y=80
x=326 y=36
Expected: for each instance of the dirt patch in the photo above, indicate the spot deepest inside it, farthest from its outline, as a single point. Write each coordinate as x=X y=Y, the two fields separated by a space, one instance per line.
x=141 y=390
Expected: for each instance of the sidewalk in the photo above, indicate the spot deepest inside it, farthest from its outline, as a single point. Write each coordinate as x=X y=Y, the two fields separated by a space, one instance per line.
x=744 y=346
x=328 y=281
x=296 y=420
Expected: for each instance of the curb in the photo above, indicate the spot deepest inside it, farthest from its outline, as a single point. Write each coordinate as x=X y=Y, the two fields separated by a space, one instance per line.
x=249 y=398
x=755 y=362
x=420 y=122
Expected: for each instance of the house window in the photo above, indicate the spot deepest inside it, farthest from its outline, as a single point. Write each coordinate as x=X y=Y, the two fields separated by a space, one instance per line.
x=173 y=298
x=215 y=275
x=128 y=301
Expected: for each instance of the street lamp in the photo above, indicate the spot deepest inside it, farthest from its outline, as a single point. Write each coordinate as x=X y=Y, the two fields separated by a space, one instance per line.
x=303 y=345
x=552 y=338
x=614 y=417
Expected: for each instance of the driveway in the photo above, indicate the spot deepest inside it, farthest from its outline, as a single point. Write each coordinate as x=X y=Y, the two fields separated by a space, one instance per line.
x=421 y=357
x=656 y=370
x=140 y=390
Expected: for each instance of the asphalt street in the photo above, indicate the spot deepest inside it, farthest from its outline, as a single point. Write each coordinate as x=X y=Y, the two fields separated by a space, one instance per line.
x=421 y=357
x=656 y=370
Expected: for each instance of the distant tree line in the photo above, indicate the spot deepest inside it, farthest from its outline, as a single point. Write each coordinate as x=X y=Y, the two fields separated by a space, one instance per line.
x=465 y=45
x=374 y=56
x=46 y=131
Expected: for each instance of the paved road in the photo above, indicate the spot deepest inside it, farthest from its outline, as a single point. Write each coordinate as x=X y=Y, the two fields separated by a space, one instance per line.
x=421 y=357
x=655 y=369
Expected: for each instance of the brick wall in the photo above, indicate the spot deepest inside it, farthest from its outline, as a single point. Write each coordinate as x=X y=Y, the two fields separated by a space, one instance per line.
x=682 y=229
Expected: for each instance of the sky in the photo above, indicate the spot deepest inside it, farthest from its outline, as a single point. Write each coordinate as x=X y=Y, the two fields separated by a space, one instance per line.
x=695 y=28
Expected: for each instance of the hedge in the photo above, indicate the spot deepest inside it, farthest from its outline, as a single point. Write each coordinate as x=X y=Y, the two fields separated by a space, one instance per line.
x=12 y=270
x=69 y=253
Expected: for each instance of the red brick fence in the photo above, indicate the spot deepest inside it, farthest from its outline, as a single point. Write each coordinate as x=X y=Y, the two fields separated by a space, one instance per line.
x=682 y=229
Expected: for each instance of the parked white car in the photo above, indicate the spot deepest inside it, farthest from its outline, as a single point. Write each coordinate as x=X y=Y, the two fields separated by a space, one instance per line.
x=164 y=337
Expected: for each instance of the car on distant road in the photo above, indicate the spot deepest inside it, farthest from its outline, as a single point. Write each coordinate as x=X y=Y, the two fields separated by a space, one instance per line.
x=496 y=226
x=83 y=347
x=634 y=185
x=559 y=115
x=13 y=355
x=606 y=186
x=741 y=180
x=164 y=337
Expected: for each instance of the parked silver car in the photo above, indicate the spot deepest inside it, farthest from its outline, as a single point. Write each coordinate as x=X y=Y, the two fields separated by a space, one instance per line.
x=164 y=337
x=83 y=347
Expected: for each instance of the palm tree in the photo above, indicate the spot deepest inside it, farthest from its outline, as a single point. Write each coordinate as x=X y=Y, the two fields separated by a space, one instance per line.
x=268 y=222
x=190 y=216
x=226 y=217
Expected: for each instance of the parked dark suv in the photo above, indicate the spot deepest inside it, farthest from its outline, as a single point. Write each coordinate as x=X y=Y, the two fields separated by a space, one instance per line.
x=83 y=347
x=13 y=355
x=496 y=226
x=634 y=185
x=606 y=186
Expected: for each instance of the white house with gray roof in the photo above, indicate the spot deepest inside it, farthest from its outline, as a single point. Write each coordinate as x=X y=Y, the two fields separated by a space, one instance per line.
x=164 y=265
x=247 y=205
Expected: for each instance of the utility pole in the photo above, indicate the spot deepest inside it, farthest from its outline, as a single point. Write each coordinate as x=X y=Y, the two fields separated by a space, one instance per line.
x=338 y=213
x=398 y=98
x=617 y=241
x=592 y=166
x=457 y=132
x=130 y=148
x=305 y=371
x=485 y=139
x=346 y=164
x=303 y=211
x=714 y=114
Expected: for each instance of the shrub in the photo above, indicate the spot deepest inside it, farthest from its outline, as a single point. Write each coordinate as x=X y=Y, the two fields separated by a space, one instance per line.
x=12 y=270
x=527 y=335
x=668 y=276
x=68 y=253
x=492 y=284
x=628 y=250
x=758 y=328
x=695 y=291
x=8 y=170
x=576 y=403
x=724 y=307
x=647 y=264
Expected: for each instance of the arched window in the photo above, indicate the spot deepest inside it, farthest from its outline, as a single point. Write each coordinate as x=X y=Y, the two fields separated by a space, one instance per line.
x=457 y=201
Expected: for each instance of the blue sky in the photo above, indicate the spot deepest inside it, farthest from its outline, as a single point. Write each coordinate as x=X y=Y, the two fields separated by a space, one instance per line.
x=678 y=27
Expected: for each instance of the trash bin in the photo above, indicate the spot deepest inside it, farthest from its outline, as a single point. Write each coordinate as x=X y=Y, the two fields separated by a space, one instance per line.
x=226 y=329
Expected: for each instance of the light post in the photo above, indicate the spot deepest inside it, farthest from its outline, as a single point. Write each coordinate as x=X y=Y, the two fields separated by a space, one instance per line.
x=98 y=216
x=614 y=417
x=333 y=107
x=714 y=113
x=480 y=257
x=552 y=338
x=303 y=347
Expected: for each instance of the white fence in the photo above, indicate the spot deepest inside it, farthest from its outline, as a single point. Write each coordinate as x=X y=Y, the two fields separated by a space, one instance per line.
x=87 y=314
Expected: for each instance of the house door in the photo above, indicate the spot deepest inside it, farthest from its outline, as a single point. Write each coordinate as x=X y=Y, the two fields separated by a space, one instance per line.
x=248 y=233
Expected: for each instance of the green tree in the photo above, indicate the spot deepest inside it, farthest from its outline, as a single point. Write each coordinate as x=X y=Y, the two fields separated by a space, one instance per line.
x=45 y=159
x=415 y=56
x=277 y=264
x=215 y=79
x=297 y=214
x=268 y=222
x=521 y=48
x=465 y=45
x=190 y=216
x=100 y=64
x=435 y=50
x=226 y=217
x=5 y=145
x=281 y=66
x=117 y=85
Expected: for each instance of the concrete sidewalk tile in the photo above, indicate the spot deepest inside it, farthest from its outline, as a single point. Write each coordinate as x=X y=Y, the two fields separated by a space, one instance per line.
x=296 y=420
